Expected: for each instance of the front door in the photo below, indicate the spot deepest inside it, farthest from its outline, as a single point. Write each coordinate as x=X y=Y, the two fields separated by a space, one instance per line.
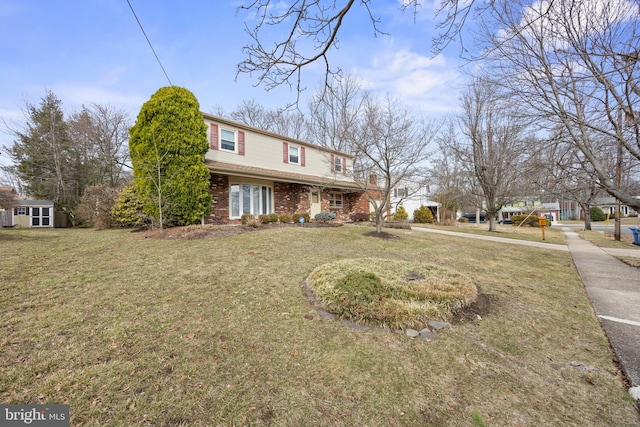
x=315 y=203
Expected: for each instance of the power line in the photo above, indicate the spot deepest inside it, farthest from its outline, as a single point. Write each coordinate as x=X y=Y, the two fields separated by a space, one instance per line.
x=149 y=41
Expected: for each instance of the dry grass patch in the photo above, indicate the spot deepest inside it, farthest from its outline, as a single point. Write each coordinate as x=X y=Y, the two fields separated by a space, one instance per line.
x=607 y=241
x=391 y=293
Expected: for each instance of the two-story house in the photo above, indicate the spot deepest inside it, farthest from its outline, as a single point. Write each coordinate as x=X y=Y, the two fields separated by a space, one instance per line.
x=412 y=195
x=254 y=171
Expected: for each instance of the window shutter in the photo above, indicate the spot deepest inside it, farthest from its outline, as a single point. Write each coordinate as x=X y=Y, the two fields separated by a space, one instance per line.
x=301 y=156
x=285 y=152
x=333 y=164
x=344 y=166
x=241 y=143
x=15 y=211
x=214 y=136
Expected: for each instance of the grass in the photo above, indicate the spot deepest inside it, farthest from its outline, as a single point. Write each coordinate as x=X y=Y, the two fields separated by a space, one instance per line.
x=606 y=241
x=131 y=330
x=534 y=234
x=391 y=293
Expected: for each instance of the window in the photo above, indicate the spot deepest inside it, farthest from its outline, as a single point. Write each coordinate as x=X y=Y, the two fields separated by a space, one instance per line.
x=400 y=192
x=21 y=211
x=335 y=200
x=251 y=199
x=227 y=140
x=293 y=155
x=337 y=164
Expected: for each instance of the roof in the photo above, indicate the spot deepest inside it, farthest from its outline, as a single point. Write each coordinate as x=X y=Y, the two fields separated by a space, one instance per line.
x=274 y=135
x=33 y=202
x=555 y=206
x=298 y=178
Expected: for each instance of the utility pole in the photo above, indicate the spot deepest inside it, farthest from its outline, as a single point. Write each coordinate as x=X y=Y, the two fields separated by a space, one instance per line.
x=616 y=231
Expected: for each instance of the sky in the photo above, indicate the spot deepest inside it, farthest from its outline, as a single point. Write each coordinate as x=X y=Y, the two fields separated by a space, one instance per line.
x=93 y=51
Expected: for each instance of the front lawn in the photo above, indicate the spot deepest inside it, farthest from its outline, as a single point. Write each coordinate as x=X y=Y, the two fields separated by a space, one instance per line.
x=132 y=329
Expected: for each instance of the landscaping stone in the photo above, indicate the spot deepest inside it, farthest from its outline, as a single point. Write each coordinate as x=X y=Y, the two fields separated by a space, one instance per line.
x=635 y=392
x=412 y=333
x=427 y=334
x=435 y=325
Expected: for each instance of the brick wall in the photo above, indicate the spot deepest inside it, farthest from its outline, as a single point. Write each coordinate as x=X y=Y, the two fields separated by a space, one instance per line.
x=288 y=199
x=219 y=187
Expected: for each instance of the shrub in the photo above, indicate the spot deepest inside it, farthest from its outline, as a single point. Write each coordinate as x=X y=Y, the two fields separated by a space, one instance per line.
x=297 y=216
x=250 y=220
x=423 y=215
x=325 y=216
x=463 y=219
x=285 y=219
x=531 y=220
x=401 y=214
x=359 y=217
x=96 y=206
x=170 y=136
x=596 y=214
x=127 y=209
x=268 y=218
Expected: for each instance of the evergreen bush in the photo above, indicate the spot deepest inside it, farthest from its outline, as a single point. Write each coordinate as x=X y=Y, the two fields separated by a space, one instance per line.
x=423 y=215
x=530 y=220
x=285 y=219
x=401 y=214
x=325 y=216
x=596 y=214
x=127 y=209
x=297 y=216
x=268 y=218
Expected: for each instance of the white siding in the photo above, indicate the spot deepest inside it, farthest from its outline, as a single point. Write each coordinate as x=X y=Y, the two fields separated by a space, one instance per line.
x=266 y=152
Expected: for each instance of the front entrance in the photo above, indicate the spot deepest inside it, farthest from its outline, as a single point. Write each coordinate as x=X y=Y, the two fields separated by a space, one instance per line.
x=316 y=208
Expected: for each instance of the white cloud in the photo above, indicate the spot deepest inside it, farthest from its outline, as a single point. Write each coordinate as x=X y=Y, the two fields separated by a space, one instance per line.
x=418 y=80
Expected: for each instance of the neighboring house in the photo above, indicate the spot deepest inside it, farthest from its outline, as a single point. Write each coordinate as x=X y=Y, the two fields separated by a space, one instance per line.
x=411 y=196
x=256 y=172
x=525 y=207
x=608 y=206
x=29 y=214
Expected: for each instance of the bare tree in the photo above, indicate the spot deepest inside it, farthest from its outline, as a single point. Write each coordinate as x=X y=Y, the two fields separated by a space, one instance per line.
x=563 y=172
x=334 y=118
x=575 y=64
x=7 y=196
x=494 y=146
x=281 y=121
x=251 y=113
x=111 y=130
x=448 y=175
x=392 y=148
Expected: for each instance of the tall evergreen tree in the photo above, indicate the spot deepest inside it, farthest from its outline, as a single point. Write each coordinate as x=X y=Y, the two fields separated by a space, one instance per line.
x=42 y=153
x=167 y=147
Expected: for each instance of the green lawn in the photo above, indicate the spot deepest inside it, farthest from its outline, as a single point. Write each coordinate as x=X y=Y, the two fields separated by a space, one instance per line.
x=133 y=330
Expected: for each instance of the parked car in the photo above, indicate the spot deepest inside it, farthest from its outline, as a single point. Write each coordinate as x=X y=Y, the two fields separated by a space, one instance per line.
x=472 y=217
x=505 y=221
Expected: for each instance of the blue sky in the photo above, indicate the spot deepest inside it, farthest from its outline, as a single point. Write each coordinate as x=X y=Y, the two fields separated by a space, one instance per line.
x=93 y=51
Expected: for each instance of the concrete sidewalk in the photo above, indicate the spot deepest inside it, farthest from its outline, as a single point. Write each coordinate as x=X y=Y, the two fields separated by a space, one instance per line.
x=613 y=288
